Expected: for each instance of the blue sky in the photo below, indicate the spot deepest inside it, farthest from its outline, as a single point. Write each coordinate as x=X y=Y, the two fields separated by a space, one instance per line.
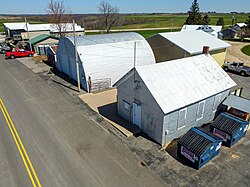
x=126 y=6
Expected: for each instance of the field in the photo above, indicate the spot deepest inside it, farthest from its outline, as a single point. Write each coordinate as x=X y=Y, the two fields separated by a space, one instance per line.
x=246 y=50
x=170 y=22
x=173 y=20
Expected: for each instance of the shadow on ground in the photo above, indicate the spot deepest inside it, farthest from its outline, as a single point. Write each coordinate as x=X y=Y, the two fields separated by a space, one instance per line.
x=172 y=151
x=71 y=84
x=109 y=111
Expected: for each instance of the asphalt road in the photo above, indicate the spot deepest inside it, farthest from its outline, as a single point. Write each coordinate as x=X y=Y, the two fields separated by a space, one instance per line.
x=64 y=147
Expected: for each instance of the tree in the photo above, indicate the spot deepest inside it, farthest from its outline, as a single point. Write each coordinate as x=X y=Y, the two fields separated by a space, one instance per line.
x=246 y=29
x=109 y=15
x=206 y=20
x=221 y=22
x=58 y=15
x=194 y=15
x=248 y=22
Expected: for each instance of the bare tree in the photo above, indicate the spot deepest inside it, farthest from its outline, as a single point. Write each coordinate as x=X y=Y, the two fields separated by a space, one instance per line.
x=109 y=15
x=58 y=15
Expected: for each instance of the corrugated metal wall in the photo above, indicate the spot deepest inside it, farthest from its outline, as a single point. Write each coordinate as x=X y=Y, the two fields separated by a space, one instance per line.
x=171 y=129
x=151 y=114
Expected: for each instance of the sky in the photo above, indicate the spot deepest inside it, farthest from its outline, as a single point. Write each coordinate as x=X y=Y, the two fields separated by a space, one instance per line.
x=125 y=6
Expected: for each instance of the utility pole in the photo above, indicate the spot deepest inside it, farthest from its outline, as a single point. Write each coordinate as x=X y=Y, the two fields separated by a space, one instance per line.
x=28 y=34
x=76 y=58
x=134 y=59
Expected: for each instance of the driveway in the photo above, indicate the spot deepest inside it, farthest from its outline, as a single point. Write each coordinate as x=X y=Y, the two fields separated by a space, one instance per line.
x=234 y=52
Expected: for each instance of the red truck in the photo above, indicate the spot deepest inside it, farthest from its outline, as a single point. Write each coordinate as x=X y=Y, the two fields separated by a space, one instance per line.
x=19 y=53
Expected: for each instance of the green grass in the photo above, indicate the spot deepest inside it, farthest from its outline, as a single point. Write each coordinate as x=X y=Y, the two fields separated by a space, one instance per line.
x=144 y=33
x=246 y=50
x=175 y=20
x=137 y=21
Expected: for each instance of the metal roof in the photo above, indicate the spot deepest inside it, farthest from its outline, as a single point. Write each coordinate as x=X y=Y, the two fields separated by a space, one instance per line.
x=15 y=26
x=216 y=28
x=238 y=103
x=112 y=55
x=107 y=38
x=43 y=27
x=195 y=142
x=42 y=37
x=227 y=123
x=178 y=83
x=38 y=27
x=241 y=24
x=193 y=41
x=66 y=27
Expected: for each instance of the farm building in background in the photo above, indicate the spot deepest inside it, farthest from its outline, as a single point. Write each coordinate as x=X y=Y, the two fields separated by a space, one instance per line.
x=166 y=99
x=214 y=30
x=19 y=30
x=42 y=42
x=103 y=59
x=176 y=45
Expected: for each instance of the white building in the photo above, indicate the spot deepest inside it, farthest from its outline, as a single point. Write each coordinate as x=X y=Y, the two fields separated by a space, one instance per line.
x=12 y=29
x=103 y=59
x=166 y=99
x=214 y=30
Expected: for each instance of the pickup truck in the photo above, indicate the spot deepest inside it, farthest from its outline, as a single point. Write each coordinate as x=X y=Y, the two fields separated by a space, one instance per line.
x=19 y=53
x=237 y=67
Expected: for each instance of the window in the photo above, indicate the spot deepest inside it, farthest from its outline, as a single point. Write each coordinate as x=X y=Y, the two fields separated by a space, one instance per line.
x=126 y=105
x=182 y=118
x=200 y=110
x=216 y=102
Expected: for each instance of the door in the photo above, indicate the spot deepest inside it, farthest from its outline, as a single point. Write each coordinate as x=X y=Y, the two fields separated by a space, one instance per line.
x=137 y=115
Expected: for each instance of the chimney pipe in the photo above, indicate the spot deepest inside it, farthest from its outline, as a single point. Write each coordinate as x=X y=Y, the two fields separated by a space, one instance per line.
x=205 y=50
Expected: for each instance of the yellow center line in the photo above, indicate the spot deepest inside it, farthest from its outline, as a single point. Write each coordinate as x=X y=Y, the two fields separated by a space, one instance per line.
x=20 y=146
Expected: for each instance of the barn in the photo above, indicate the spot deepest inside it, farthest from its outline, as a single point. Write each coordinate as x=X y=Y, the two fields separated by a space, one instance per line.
x=166 y=99
x=104 y=58
x=175 y=45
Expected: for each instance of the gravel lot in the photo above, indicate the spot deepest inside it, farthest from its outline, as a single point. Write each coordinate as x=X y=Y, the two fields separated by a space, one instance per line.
x=234 y=52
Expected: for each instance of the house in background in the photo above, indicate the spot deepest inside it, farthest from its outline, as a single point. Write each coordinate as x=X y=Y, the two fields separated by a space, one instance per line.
x=103 y=58
x=233 y=31
x=176 y=45
x=166 y=99
x=42 y=42
x=214 y=30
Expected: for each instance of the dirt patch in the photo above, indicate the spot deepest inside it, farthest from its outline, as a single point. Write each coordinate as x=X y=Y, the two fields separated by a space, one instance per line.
x=234 y=52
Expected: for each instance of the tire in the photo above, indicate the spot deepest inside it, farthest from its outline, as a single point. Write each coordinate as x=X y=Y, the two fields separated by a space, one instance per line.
x=225 y=68
x=12 y=57
x=243 y=73
x=30 y=55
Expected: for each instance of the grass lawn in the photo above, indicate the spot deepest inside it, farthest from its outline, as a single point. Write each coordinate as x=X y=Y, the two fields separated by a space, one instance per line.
x=144 y=33
x=246 y=50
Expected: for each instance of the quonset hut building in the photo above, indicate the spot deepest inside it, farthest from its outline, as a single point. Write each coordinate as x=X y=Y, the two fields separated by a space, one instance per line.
x=104 y=58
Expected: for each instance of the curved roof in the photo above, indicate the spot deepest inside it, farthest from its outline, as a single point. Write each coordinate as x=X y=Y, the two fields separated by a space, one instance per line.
x=107 y=38
x=112 y=55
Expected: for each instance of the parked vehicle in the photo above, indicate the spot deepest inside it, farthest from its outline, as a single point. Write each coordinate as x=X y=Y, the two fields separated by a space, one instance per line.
x=19 y=53
x=237 y=67
x=4 y=48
